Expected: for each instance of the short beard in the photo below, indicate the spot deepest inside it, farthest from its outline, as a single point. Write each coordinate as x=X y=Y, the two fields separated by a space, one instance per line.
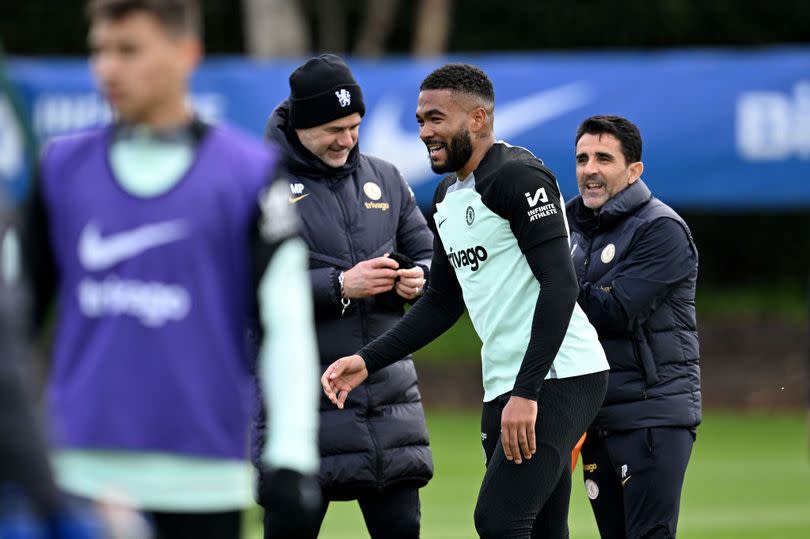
x=459 y=151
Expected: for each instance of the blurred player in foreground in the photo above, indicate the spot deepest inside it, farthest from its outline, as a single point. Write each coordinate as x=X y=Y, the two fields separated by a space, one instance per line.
x=160 y=234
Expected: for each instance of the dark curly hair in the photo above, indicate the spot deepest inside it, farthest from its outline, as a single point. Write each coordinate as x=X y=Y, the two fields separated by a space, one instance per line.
x=464 y=78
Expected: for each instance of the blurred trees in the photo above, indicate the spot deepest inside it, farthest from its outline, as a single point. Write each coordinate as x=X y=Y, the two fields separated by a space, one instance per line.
x=377 y=25
x=433 y=25
x=374 y=27
x=277 y=27
x=274 y=28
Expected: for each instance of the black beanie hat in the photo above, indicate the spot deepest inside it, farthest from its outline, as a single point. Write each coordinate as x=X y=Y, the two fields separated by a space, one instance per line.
x=323 y=90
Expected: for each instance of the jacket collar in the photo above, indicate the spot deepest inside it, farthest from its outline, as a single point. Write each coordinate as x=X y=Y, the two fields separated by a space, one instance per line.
x=299 y=160
x=627 y=202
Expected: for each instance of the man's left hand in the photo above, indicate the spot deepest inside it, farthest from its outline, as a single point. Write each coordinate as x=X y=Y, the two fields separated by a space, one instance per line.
x=517 y=429
x=411 y=282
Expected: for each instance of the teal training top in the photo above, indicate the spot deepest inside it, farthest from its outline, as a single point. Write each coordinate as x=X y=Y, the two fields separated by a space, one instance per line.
x=485 y=221
x=500 y=232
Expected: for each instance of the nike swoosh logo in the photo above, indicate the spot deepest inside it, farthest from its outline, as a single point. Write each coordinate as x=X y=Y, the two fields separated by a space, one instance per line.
x=98 y=253
x=626 y=479
x=385 y=137
x=442 y=221
x=296 y=199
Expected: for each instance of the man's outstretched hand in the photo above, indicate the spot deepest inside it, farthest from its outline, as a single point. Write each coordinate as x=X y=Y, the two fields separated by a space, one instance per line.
x=342 y=376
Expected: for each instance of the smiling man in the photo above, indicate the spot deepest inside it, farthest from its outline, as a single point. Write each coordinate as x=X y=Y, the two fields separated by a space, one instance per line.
x=369 y=250
x=501 y=250
x=637 y=268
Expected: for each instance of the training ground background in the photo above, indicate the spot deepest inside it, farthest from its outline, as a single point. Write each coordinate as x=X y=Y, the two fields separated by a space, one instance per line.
x=748 y=478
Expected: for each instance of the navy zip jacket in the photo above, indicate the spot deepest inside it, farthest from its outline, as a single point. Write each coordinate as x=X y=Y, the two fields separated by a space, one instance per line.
x=354 y=213
x=637 y=268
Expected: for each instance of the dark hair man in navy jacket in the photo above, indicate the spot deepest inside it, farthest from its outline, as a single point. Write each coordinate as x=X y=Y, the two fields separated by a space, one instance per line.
x=637 y=268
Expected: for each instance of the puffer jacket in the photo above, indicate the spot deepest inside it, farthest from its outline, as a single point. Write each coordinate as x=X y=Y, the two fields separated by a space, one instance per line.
x=637 y=267
x=350 y=214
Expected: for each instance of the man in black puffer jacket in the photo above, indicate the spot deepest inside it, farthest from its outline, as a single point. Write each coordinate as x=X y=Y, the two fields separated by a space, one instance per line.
x=637 y=267
x=364 y=231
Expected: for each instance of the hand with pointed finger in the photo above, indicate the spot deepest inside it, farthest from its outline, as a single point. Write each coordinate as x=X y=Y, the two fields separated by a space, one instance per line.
x=517 y=429
x=341 y=377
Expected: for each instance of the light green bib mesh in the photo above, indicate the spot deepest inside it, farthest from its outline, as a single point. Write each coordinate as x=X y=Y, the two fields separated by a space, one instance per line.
x=146 y=166
x=156 y=481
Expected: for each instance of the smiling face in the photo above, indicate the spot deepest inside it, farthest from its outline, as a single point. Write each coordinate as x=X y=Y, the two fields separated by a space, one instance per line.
x=333 y=141
x=602 y=171
x=141 y=67
x=444 y=127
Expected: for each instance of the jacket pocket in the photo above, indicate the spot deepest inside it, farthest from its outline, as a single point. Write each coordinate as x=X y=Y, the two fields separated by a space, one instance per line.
x=649 y=435
x=645 y=359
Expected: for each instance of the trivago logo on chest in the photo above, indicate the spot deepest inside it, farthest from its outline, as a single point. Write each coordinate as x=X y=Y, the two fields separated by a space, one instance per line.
x=471 y=257
x=377 y=206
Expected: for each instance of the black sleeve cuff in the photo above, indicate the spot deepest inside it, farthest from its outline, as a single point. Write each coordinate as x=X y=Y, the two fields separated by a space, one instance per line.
x=530 y=394
x=333 y=277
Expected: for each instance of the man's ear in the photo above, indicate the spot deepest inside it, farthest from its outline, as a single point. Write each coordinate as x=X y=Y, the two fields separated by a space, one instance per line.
x=479 y=119
x=635 y=171
x=191 y=51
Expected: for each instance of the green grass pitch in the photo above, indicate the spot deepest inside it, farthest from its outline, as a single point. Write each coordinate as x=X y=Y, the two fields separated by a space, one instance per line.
x=749 y=477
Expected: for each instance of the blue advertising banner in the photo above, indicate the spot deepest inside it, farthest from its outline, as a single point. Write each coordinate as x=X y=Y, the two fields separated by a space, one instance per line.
x=722 y=129
x=17 y=151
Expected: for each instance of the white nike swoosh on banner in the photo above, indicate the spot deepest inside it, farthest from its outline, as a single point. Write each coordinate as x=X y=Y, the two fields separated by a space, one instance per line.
x=384 y=137
x=97 y=253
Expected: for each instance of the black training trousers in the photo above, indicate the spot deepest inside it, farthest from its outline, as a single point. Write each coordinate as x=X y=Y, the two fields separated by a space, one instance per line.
x=391 y=513
x=634 y=479
x=225 y=525
x=530 y=500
